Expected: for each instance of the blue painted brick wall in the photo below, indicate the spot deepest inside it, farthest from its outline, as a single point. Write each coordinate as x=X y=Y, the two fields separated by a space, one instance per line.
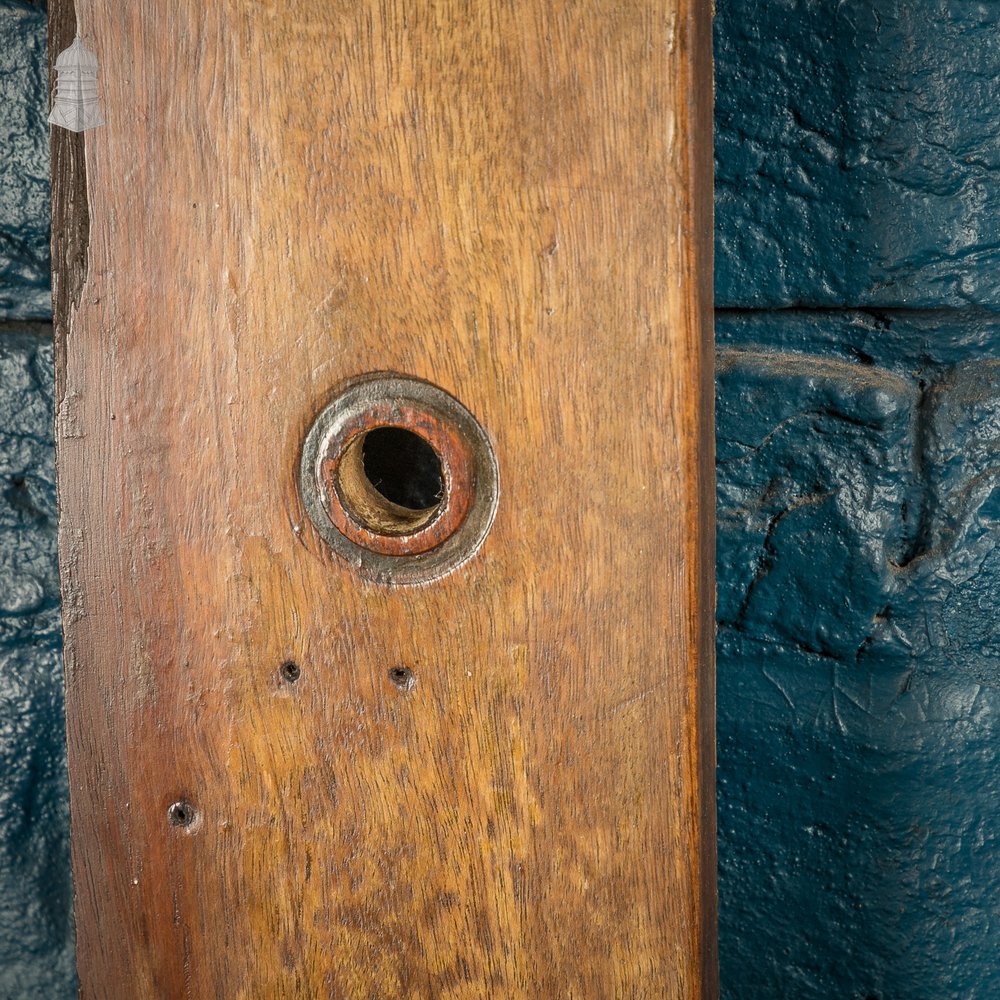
x=24 y=163
x=36 y=934
x=859 y=655
x=858 y=414
x=857 y=153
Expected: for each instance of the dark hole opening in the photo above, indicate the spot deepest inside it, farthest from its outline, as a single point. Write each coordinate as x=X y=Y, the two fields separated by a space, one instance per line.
x=290 y=671
x=403 y=467
x=402 y=677
x=181 y=814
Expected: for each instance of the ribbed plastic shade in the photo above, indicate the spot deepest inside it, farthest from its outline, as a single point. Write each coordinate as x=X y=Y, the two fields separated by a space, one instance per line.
x=76 y=106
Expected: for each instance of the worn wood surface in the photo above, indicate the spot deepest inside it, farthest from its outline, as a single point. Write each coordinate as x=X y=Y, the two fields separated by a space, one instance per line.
x=513 y=201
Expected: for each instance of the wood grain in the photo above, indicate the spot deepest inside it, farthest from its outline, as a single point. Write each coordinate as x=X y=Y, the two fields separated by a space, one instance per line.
x=511 y=200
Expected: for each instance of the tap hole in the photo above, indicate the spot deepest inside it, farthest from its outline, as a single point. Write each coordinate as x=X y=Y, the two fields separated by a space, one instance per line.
x=391 y=480
x=403 y=468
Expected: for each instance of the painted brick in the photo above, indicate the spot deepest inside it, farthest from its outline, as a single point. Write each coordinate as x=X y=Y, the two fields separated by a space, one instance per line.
x=24 y=163
x=857 y=153
x=36 y=930
x=859 y=655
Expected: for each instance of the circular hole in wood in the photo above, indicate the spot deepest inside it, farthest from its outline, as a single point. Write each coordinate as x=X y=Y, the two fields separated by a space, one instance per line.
x=403 y=468
x=402 y=678
x=290 y=671
x=181 y=813
x=399 y=478
x=390 y=480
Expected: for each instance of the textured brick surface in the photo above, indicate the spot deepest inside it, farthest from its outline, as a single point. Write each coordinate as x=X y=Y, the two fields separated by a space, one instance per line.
x=24 y=163
x=856 y=152
x=36 y=935
x=859 y=655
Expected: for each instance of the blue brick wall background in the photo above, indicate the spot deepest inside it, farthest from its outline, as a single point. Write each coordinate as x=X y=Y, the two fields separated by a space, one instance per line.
x=24 y=163
x=858 y=278
x=36 y=928
x=858 y=412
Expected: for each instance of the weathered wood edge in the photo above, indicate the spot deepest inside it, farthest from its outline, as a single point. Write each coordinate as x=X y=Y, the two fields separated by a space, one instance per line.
x=70 y=236
x=701 y=94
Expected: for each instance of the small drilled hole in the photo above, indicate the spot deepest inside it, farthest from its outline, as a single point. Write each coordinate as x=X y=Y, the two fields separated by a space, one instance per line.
x=290 y=671
x=403 y=678
x=181 y=814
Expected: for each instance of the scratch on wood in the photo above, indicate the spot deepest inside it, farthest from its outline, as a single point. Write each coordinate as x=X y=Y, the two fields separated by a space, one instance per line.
x=635 y=699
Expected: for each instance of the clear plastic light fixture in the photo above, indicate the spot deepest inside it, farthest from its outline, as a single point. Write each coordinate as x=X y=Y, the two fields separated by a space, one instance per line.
x=75 y=106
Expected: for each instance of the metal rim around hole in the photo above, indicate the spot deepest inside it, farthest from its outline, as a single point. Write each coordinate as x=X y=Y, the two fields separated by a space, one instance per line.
x=451 y=536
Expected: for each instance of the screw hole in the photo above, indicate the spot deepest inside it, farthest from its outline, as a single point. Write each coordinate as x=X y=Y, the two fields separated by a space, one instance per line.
x=402 y=678
x=290 y=671
x=181 y=814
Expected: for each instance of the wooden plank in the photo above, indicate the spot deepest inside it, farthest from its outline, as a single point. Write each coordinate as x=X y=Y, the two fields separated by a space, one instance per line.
x=513 y=202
